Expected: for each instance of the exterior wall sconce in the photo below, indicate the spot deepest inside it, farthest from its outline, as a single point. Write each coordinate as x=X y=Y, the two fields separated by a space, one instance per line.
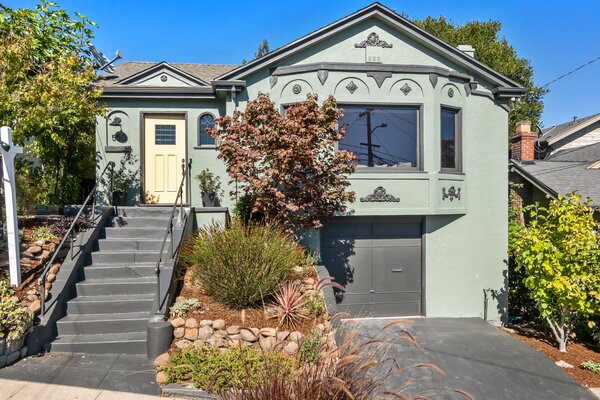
x=115 y=122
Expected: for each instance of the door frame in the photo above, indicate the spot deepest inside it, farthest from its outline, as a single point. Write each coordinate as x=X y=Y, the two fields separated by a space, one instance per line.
x=143 y=115
x=408 y=219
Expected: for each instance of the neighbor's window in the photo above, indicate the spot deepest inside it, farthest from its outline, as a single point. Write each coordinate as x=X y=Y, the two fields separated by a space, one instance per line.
x=449 y=139
x=204 y=139
x=382 y=136
x=164 y=134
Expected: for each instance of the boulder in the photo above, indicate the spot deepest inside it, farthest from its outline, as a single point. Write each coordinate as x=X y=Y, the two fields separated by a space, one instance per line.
x=247 y=335
x=295 y=336
x=178 y=333
x=218 y=324
x=206 y=322
x=39 y=243
x=269 y=332
x=50 y=278
x=281 y=336
x=216 y=342
x=180 y=344
x=54 y=269
x=35 y=306
x=45 y=255
x=178 y=322
x=221 y=334
x=35 y=250
x=162 y=360
x=234 y=337
x=205 y=332
x=191 y=333
x=47 y=286
x=291 y=348
x=161 y=377
x=233 y=330
x=267 y=343
x=191 y=323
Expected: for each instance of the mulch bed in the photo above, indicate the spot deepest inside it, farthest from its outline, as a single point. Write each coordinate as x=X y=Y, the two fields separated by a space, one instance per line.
x=575 y=355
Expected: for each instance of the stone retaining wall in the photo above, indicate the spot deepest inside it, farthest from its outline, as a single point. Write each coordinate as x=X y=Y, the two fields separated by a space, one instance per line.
x=12 y=351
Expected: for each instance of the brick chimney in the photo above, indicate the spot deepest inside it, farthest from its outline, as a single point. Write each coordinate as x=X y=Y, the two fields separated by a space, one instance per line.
x=523 y=142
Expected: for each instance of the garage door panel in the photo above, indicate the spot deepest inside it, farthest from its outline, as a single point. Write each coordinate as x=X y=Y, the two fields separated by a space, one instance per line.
x=378 y=262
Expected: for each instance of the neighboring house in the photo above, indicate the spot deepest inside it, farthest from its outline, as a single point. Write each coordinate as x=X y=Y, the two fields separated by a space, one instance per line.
x=562 y=172
x=427 y=234
x=576 y=133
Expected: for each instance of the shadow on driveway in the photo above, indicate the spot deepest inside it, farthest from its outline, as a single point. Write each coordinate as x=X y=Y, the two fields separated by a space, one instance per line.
x=476 y=358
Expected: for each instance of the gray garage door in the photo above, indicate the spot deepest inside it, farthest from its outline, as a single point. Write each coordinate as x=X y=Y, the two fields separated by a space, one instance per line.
x=378 y=260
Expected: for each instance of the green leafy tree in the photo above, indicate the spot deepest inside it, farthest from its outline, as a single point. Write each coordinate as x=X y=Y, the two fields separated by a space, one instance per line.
x=48 y=97
x=287 y=164
x=494 y=51
x=559 y=252
x=262 y=50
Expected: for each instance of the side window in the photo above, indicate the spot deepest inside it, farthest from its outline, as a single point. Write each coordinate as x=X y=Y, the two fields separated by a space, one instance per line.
x=450 y=140
x=204 y=139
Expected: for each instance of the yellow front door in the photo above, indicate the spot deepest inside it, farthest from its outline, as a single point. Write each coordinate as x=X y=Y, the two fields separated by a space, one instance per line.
x=164 y=150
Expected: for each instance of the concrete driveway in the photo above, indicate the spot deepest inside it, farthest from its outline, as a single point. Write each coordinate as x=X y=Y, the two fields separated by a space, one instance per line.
x=476 y=357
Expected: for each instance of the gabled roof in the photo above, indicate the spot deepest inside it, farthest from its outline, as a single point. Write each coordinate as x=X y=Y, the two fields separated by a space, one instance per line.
x=565 y=172
x=555 y=133
x=201 y=72
x=391 y=17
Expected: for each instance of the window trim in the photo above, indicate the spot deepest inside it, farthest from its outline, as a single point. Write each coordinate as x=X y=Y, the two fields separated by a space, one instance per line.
x=199 y=145
x=458 y=169
x=419 y=107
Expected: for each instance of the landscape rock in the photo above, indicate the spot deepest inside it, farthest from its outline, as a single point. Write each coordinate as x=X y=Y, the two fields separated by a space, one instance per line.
x=180 y=344
x=14 y=299
x=178 y=322
x=45 y=255
x=220 y=334
x=205 y=332
x=295 y=336
x=162 y=360
x=291 y=348
x=216 y=342
x=31 y=291
x=31 y=297
x=26 y=255
x=54 y=269
x=271 y=332
x=51 y=247
x=234 y=337
x=235 y=343
x=51 y=278
x=39 y=243
x=233 y=330
x=23 y=352
x=178 y=333
x=281 y=336
x=267 y=343
x=247 y=335
x=218 y=324
x=161 y=377
x=35 y=306
x=48 y=286
x=206 y=322
x=191 y=323
x=563 y=364
x=191 y=333
x=12 y=357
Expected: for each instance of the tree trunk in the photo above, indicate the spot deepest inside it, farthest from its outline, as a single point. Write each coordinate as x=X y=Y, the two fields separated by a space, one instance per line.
x=562 y=345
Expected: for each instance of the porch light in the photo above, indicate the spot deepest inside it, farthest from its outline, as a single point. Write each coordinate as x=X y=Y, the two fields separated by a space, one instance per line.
x=115 y=122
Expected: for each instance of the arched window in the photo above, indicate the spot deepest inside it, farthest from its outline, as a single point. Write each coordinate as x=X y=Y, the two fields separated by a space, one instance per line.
x=204 y=139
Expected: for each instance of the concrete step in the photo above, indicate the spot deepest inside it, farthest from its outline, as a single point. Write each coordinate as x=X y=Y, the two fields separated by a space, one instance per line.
x=130 y=244
x=125 y=257
x=134 y=233
x=139 y=222
x=111 y=271
x=126 y=303
x=109 y=287
x=152 y=212
x=108 y=343
x=79 y=324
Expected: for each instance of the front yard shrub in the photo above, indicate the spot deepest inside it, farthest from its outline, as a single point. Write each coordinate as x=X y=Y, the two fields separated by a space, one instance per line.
x=210 y=369
x=310 y=350
x=5 y=289
x=559 y=251
x=241 y=265
x=15 y=321
x=183 y=306
x=591 y=366
x=290 y=304
x=43 y=232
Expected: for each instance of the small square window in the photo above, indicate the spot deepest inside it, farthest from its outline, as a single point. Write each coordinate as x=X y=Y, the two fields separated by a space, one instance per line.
x=165 y=134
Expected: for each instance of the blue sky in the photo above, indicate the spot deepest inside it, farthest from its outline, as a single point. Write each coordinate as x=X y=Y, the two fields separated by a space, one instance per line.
x=557 y=36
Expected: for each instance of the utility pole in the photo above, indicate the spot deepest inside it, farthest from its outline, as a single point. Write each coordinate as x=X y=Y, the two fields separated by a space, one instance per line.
x=369 y=144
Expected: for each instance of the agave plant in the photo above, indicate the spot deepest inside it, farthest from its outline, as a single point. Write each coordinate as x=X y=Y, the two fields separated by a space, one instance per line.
x=290 y=304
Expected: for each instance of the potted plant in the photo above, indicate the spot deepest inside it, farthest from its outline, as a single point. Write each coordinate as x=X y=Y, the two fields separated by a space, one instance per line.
x=124 y=177
x=210 y=188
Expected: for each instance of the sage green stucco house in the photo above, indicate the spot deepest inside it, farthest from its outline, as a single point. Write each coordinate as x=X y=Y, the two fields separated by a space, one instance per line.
x=427 y=235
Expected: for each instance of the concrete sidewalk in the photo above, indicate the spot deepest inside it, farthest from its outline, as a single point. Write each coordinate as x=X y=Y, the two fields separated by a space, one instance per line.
x=24 y=390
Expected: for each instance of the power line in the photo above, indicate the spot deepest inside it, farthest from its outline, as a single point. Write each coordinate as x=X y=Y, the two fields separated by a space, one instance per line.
x=572 y=71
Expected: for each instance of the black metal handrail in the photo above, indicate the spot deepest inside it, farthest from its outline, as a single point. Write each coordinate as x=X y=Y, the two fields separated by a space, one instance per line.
x=71 y=231
x=186 y=167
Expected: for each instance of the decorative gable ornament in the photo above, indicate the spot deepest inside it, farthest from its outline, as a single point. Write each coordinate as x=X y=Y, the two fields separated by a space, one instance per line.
x=379 y=196
x=351 y=87
x=373 y=48
x=406 y=89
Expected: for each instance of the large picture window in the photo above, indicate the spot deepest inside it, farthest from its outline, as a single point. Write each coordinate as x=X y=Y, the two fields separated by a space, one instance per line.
x=450 y=148
x=204 y=139
x=382 y=136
